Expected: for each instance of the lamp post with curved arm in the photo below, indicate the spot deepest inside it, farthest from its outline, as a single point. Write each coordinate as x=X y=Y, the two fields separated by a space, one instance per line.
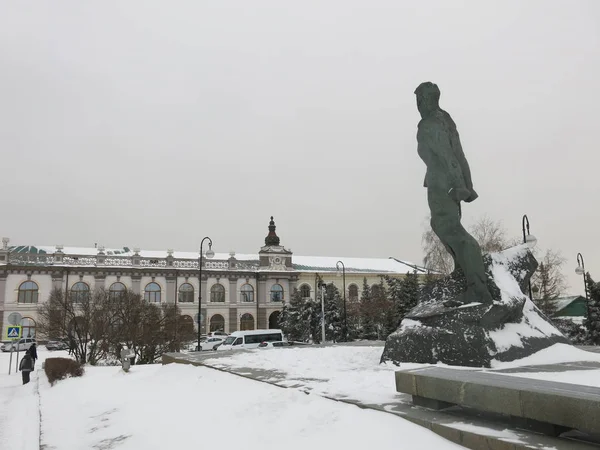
x=209 y=254
x=530 y=240
x=337 y=266
x=580 y=270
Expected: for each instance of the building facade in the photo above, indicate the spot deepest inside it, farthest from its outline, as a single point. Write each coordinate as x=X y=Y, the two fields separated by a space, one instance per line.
x=238 y=292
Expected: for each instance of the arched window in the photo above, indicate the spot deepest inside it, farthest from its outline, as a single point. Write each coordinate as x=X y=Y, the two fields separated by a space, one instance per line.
x=186 y=293
x=217 y=323
x=28 y=292
x=353 y=292
x=217 y=293
x=305 y=291
x=274 y=320
x=247 y=294
x=80 y=292
x=247 y=322
x=276 y=293
x=152 y=293
x=116 y=290
x=27 y=327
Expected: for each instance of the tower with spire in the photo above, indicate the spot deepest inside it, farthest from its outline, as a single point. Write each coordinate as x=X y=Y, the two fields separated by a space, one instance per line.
x=274 y=256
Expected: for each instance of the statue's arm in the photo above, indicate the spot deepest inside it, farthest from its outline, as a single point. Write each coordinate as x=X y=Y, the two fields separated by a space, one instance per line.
x=464 y=164
x=434 y=141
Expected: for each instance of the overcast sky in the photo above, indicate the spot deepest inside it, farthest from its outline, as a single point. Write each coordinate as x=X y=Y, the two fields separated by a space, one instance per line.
x=156 y=123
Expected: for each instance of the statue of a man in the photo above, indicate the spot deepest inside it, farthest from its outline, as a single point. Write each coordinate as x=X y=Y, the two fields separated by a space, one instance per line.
x=448 y=182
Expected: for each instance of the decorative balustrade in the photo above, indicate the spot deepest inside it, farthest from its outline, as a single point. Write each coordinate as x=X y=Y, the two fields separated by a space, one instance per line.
x=216 y=264
x=123 y=261
x=153 y=263
x=185 y=264
x=79 y=260
x=119 y=262
x=30 y=259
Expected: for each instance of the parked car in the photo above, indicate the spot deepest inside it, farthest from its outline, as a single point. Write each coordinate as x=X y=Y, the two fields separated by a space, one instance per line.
x=56 y=345
x=275 y=344
x=212 y=343
x=22 y=345
x=217 y=334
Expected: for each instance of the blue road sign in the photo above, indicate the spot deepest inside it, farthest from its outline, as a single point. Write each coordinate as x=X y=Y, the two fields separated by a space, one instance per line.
x=13 y=332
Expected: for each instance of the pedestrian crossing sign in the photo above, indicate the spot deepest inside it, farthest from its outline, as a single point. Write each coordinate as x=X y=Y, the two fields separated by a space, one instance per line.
x=13 y=332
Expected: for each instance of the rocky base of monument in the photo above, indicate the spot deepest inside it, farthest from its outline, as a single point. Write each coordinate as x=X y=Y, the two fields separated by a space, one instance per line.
x=474 y=334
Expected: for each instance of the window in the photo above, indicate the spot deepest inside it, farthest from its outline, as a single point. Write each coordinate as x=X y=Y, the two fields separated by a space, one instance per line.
x=267 y=337
x=353 y=292
x=116 y=290
x=217 y=293
x=186 y=293
x=238 y=341
x=247 y=322
x=305 y=291
x=217 y=323
x=80 y=292
x=247 y=294
x=276 y=293
x=152 y=293
x=27 y=327
x=28 y=292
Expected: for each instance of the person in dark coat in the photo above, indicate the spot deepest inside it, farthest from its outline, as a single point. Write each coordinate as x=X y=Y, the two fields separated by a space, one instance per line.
x=26 y=366
x=33 y=353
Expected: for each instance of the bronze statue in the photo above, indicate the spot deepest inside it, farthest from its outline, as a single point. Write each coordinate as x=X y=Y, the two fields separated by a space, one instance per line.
x=448 y=182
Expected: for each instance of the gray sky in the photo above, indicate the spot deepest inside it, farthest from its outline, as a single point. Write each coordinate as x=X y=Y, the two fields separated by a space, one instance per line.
x=156 y=123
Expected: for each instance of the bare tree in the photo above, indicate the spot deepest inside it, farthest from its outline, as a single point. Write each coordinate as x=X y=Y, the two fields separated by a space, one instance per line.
x=147 y=329
x=100 y=323
x=84 y=320
x=490 y=235
x=548 y=283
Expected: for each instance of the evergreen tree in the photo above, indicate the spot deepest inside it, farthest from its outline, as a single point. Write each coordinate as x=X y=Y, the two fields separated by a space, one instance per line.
x=381 y=309
x=592 y=321
x=409 y=296
x=293 y=319
x=403 y=295
x=367 y=328
x=334 y=325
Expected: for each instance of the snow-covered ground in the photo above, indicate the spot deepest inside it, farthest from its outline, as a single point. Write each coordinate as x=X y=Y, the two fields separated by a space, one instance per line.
x=179 y=406
x=19 y=405
x=355 y=373
x=157 y=407
x=341 y=372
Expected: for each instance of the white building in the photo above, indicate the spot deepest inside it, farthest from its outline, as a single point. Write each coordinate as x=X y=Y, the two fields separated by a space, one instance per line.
x=238 y=292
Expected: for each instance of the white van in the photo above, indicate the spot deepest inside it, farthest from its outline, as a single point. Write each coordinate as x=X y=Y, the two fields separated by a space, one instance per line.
x=250 y=339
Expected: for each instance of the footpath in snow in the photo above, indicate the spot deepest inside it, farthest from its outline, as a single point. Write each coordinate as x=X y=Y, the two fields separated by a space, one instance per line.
x=179 y=406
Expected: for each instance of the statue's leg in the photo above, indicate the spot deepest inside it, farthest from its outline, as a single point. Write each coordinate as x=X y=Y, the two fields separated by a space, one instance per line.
x=445 y=221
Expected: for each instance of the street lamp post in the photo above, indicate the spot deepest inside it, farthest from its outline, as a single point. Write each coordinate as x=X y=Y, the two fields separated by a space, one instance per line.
x=209 y=254
x=530 y=240
x=580 y=270
x=323 y=286
x=337 y=266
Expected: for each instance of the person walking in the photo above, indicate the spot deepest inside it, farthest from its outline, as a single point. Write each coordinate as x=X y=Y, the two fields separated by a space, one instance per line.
x=26 y=366
x=33 y=353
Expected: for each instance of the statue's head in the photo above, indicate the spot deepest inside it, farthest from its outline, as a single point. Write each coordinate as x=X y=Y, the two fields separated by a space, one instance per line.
x=428 y=98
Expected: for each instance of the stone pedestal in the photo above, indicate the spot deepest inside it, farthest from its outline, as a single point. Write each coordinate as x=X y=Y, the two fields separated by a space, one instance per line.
x=474 y=334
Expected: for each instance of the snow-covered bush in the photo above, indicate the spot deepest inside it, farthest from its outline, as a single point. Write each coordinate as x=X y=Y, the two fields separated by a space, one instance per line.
x=61 y=368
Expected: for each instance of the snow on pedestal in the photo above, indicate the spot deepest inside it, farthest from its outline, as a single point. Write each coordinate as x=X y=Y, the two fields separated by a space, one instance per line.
x=476 y=333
